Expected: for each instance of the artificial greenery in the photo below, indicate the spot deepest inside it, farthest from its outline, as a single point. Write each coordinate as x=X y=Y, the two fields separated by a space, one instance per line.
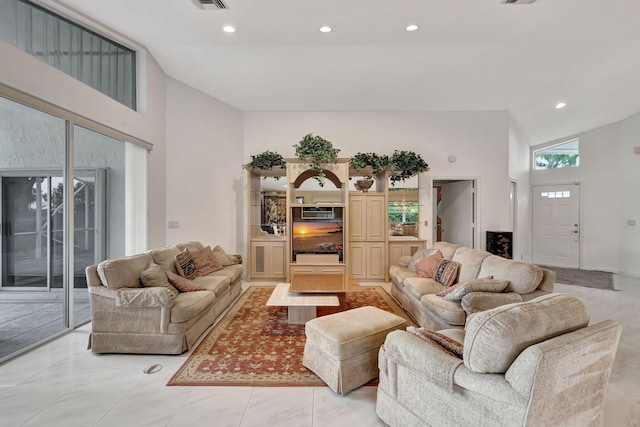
x=377 y=162
x=405 y=164
x=265 y=161
x=316 y=150
x=552 y=161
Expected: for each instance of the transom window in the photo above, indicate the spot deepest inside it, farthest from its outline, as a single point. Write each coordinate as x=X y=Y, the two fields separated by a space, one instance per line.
x=564 y=155
x=84 y=55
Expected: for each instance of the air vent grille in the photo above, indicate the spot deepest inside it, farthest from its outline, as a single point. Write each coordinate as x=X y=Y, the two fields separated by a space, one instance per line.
x=210 y=4
x=518 y=1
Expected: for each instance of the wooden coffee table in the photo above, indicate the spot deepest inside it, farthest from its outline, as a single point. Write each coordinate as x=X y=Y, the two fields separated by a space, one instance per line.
x=302 y=307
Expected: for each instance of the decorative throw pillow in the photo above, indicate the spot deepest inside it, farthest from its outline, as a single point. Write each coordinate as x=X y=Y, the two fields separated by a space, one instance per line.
x=442 y=342
x=419 y=256
x=154 y=277
x=429 y=266
x=185 y=265
x=478 y=285
x=205 y=261
x=222 y=256
x=183 y=284
x=447 y=272
x=450 y=289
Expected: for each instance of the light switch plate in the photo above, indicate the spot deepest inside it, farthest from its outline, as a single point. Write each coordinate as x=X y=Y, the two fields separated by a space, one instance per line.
x=631 y=223
x=174 y=224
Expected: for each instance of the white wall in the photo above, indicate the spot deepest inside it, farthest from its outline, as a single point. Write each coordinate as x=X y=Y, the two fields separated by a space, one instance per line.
x=204 y=177
x=628 y=190
x=609 y=175
x=479 y=141
x=519 y=171
x=24 y=72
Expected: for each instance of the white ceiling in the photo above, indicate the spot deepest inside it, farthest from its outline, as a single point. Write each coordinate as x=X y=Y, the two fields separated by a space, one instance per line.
x=467 y=55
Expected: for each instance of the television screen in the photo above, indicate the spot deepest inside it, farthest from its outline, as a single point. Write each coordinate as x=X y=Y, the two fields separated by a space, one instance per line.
x=317 y=237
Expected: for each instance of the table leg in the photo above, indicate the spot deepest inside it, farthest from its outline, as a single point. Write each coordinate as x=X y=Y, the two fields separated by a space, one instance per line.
x=299 y=315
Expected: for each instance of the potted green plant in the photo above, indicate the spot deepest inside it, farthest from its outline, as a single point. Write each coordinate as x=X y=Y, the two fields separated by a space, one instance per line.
x=316 y=150
x=370 y=164
x=266 y=161
x=405 y=164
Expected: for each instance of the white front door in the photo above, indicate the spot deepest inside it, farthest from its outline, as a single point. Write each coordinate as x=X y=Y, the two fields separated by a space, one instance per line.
x=556 y=225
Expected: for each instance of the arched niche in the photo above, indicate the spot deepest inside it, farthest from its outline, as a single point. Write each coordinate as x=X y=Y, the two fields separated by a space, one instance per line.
x=311 y=173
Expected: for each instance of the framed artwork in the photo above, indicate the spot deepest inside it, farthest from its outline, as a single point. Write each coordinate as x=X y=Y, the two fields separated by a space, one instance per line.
x=274 y=210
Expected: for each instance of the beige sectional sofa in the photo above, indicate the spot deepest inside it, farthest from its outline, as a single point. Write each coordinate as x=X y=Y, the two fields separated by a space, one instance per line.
x=418 y=295
x=128 y=317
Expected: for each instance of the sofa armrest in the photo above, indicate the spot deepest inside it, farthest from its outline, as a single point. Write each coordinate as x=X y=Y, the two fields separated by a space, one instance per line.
x=143 y=297
x=481 y=301
x=419 y=355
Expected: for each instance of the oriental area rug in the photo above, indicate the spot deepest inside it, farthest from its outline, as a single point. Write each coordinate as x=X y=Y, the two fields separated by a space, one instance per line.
x=253 y=345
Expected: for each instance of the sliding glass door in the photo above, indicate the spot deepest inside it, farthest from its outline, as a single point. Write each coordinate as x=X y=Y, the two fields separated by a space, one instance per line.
x=62 y=208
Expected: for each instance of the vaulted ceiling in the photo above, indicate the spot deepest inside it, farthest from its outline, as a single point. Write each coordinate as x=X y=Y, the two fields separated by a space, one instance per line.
x=467 y=55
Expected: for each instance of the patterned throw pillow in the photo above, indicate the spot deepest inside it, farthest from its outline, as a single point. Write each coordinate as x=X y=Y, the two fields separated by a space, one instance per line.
x=182 y=284
x=205 y=261
x=185 y=265
x=446 y=291
x=442 y=342
x=429 y=266
x=478 y=285
x=447 y=272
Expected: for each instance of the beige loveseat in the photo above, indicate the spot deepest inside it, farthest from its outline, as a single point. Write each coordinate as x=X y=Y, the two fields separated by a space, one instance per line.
x=418 y=296
x=535 y=363
x=128 y=317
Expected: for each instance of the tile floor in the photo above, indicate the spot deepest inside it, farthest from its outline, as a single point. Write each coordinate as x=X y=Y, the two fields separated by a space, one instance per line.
x=63 y=384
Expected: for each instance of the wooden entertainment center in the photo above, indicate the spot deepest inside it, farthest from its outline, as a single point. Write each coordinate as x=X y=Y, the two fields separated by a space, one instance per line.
x=302 y=228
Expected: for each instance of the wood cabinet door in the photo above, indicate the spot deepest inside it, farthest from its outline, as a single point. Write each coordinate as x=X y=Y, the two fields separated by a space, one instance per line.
x=259 y=260
x=395 y=252
x=376 y=222
x=357 y=218
x=276 y=255
x=376 y=260
x=358 y=259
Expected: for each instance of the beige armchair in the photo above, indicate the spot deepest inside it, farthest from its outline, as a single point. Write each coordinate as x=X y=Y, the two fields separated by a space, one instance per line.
x=534 y=363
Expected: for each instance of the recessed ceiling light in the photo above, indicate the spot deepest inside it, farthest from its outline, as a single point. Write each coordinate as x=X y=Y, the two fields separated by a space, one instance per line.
x=325 y=29
x=411 y=27
x=228 y=29
x=560 y=105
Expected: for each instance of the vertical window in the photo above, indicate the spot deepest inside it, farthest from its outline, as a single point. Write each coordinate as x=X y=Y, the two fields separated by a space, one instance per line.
x=564 y=155
x=84 y=55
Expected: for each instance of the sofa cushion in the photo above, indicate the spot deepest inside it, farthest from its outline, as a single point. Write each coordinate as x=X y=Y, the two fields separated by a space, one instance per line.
x=187 y=305
x=524 y=278
x=123 y=272
x=205 y=261
x=182 y=283
x=399 y=274
x=185 y=265
x=418 y=286
x=404 y=261
x=470 y=261
x=478 y=285
x=448 y=311
x=233 y=272
x=154 y=277
x=428 y=266
x=447 y=272
x=217 y=284
x=222 y=256
x=448 y=249
x=419 y=256
x=191 y=245
x=166 y=257
x=494 y=338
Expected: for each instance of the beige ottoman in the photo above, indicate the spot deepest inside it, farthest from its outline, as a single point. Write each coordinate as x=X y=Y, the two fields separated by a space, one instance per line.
x=342 y=348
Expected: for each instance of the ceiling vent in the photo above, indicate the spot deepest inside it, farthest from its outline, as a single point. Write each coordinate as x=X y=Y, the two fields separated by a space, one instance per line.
x=518 y=1
x=210 y=4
